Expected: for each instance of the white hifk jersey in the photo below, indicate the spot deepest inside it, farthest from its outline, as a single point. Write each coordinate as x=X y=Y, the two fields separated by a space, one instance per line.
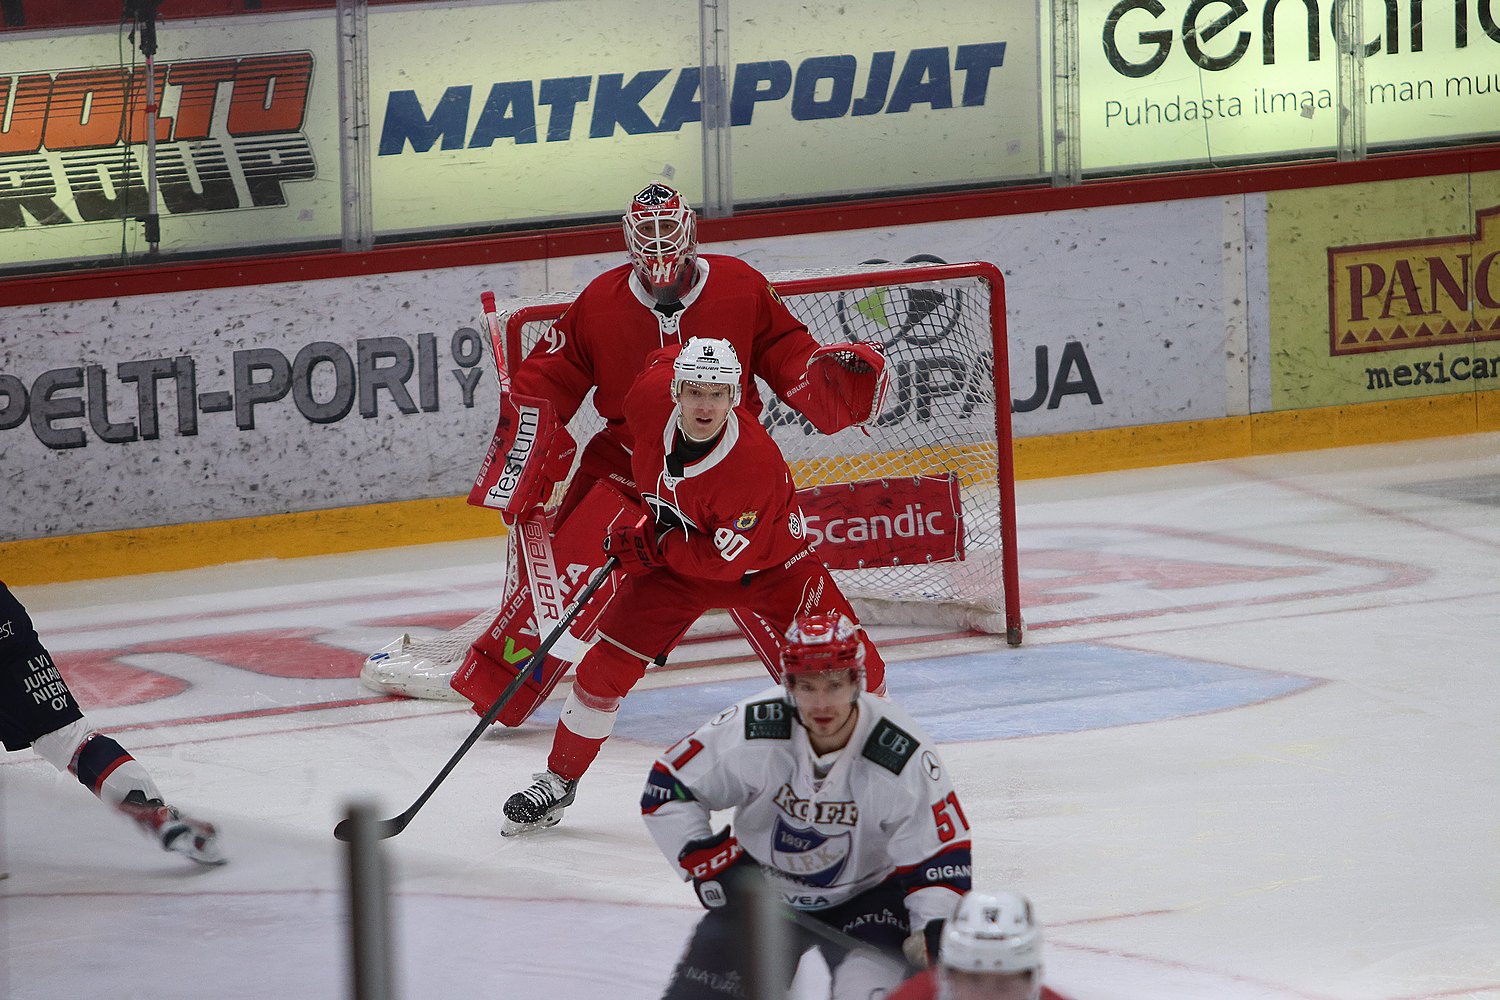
x=886 y=808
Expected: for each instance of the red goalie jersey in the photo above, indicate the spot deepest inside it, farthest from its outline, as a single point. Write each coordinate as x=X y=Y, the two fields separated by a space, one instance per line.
x=607 y=333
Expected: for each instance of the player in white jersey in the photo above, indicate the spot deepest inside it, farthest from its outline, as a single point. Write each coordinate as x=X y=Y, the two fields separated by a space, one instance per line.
x=839 y=800
x=37 y=710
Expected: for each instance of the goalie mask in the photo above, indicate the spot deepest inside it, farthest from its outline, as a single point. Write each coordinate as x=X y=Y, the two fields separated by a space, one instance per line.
x=661 y=237
x=710 y=362
x=821 y=643
x=991 y=935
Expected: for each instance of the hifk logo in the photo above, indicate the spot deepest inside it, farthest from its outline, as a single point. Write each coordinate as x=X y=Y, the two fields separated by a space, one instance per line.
x=814 y=858
x=228 y=136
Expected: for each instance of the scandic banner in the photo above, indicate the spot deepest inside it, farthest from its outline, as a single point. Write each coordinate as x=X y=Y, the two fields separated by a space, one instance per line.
x=885 y=522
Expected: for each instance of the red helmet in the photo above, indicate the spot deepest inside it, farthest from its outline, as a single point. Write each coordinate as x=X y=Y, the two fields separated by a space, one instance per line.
x=823 y=641
x=661 y=236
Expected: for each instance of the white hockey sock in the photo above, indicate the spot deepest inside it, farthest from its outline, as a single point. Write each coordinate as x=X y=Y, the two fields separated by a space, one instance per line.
x=588 y=715
x=99 y=763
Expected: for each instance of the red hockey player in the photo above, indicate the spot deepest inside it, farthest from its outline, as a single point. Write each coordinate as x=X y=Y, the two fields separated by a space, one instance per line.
x=666 y=294
x=723 y=530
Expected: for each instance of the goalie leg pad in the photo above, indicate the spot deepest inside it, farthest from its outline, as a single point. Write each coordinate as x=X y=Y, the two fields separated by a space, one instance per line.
x=506 y=646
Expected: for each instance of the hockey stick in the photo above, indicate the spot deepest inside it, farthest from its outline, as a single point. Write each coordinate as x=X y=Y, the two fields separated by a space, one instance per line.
x=390 y=827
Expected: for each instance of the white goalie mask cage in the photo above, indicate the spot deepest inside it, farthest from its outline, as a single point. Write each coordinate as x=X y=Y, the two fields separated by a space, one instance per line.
x=660 y=235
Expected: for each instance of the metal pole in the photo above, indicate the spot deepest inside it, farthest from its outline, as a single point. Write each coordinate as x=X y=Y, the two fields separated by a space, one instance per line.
x=144 y=14
x=767 y=935
x=369 y=911
x=714 y=69
x=358 y=222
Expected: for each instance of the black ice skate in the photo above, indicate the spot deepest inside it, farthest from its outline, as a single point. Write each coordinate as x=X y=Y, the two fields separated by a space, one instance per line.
x=174 y=831
x=538 y=805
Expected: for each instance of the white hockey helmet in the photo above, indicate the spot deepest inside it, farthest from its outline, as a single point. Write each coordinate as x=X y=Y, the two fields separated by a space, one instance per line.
x=661 y=235
x=710 y=361
x=993 y=933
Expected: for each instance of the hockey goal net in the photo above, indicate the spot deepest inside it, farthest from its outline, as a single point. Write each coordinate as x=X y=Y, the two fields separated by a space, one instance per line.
x=944 y=429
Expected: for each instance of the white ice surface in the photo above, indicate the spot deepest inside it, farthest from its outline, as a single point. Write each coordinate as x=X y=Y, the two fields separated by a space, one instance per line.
x=1251 y=749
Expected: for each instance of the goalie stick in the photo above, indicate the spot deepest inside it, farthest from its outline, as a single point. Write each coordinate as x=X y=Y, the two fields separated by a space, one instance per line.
x=529 y=537
x=387 y=828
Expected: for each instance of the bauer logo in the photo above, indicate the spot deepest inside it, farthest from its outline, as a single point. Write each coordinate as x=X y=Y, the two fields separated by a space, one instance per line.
x=229 y=137
x=1438 y=292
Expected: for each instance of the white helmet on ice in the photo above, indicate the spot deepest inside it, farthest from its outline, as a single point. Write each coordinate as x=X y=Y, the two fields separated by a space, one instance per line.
x=706 y=360
x=993 y=933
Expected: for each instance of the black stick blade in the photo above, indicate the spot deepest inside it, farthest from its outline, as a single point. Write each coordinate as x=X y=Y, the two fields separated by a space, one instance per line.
x=384 y=830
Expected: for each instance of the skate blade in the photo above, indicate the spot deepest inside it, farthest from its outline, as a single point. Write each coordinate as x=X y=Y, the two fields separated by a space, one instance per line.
x=511 y=828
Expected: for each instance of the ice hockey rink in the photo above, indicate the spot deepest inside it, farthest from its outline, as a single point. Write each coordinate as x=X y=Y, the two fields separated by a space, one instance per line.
x=1249 y=749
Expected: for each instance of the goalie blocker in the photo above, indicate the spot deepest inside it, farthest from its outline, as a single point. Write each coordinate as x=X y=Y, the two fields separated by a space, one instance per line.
x=530 y=451
x=505 y=648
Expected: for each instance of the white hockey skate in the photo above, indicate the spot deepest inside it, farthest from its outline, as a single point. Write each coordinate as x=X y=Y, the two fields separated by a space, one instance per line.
x=174 y=831
x=538 y=805
x=401 y=668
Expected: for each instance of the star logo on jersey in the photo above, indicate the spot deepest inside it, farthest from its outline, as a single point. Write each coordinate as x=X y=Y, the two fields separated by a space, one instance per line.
x=812 y=857
x=747 y=520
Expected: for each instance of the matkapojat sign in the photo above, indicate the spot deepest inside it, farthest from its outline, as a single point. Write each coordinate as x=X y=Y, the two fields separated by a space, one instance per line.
x=591 y=99
x=246 y=132
x=1167 y=81
x=586 y=102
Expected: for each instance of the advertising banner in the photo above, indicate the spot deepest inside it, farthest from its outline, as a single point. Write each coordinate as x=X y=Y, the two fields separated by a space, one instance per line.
x=246 y=138
x=1384 y=291
x=588 y=101
x=190 y=406
x=1217 y=81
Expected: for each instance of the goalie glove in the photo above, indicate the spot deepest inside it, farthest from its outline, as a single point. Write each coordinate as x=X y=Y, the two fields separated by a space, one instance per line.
x=708 y=863
x=635 y=546
x=846 y=385
x=530 y=452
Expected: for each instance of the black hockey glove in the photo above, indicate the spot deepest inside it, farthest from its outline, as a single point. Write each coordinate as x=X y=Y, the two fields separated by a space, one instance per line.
x=708 y=863
x=635 y=546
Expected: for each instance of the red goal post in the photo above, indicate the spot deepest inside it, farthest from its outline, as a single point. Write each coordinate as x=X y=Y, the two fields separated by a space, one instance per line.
x=944 y=431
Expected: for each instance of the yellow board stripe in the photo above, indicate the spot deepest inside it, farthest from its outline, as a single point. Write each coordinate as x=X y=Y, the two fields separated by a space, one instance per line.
x=448 y=519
